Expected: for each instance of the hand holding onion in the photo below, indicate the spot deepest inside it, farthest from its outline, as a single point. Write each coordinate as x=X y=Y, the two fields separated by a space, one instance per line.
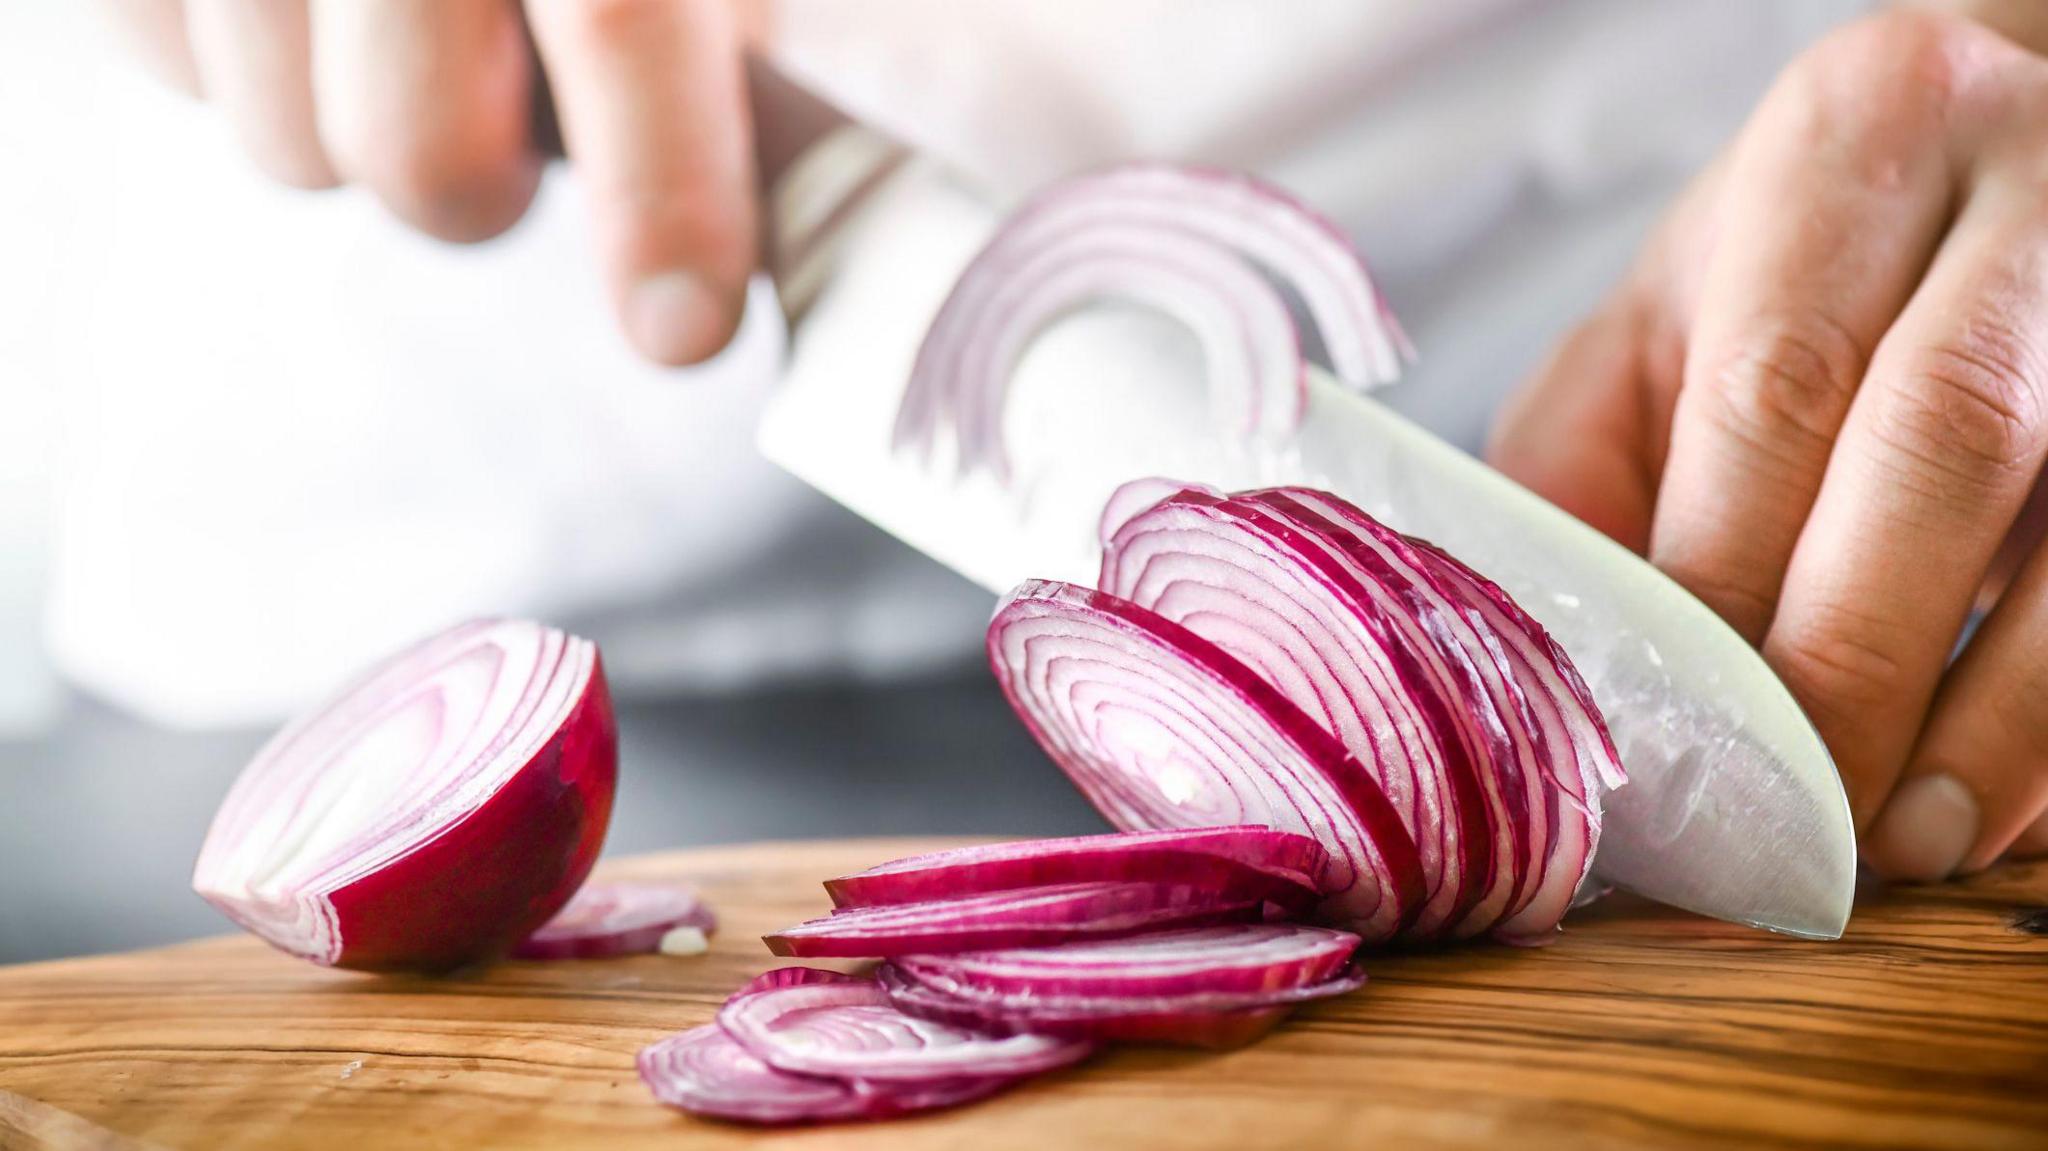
x=1821 y=402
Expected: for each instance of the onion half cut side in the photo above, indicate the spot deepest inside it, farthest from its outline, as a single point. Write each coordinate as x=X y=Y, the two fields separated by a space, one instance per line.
x=839 y=1026
x=435 y=813
x=1284 y=868
x=1029 y=917
x=1161 y=728
x=606 y=919
x=1196 y=244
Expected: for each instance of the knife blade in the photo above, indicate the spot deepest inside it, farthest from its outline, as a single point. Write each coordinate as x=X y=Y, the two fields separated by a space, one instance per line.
x=1734 y=808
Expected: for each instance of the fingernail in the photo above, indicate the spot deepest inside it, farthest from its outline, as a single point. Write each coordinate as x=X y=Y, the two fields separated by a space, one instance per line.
x=1926 y=829
x=676 y=318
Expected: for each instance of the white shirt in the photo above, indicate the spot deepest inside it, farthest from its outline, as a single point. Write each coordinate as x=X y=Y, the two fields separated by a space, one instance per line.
x=289 y=435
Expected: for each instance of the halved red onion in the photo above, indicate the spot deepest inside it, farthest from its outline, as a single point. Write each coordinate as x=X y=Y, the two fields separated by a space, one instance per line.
x=1282 y=867
x=845 y=1027
x=605 y=919
x=1196 y=244
x=1029 y=917
x=434 y=813
x=1161 y=728
x=706 y=1072
x=1546 y=748
x=1205 y=1019
x=1235 y=958
x=1353 y=653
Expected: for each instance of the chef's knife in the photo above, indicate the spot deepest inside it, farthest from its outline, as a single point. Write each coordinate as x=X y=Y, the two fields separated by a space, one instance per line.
x=1733 y=807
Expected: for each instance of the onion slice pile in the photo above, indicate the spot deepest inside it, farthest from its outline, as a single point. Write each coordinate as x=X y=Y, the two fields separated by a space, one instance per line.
x=1029 y=917
x=706 y=1072
x=840 y=1026
x=433 y=814
x=1236 y=958
x=1159 y=727
x=1284 y=868
x=1196 y=244
x=606 y=919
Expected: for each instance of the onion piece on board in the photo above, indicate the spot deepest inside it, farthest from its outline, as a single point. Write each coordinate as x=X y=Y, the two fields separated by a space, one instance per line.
x=605 y=919
x=1029 y=917
x=434 y=813
x=1234 y=958
x=823 y=1023
x=1161 y=728
x=706 y=1072
x=1239 y=856
x=1209 y=1020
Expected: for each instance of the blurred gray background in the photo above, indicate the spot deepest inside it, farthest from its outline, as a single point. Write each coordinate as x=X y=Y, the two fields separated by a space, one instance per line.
x=100 y=820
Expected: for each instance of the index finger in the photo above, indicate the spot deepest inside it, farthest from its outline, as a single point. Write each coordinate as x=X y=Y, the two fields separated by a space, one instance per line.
x=653 y=106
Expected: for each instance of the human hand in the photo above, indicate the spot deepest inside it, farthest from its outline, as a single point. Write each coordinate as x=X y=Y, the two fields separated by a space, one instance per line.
x=1820 y=402
x=430 y=104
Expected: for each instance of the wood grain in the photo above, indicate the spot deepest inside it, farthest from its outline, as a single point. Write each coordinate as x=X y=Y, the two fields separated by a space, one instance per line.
x=1926 y=1026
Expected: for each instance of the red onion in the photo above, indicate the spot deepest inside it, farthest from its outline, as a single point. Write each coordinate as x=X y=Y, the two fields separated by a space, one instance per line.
x=1284 y=868
x=1206 y=1020
x=1233 y=958
x=808 y=1022
x=435 y=813
x=1161 y=728
x=1026 y=918
x=1192 y=243
x=706 y=1072
x=605 y=919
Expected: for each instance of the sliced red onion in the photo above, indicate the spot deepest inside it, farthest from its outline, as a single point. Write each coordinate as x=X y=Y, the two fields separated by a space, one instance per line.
x=1141 y=494
x=1235 y=957
x=1546 y=747
x=845 y=1027
x=1161 y=728
x=1195 y=244
x=1027 y=918
x=604 y=919
x=1207 y=1019
x=1353 y=653
x=1275 y=865
x=706 y=1072
x=435 y=813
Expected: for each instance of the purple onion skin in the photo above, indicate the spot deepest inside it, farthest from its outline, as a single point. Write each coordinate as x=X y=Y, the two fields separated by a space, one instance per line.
x=481 y=887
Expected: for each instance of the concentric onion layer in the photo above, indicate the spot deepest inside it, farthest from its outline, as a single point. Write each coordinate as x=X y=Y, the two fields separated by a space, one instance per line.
x=1236 y=958
x=1543 y=751
x=1029 y=917
x=1286 y=868
x=706 y=1072
x=1345 y=651
x=605 y=919
x=846 y=1027
x=1161 y=728
x=1193 y=243
x=435 y=813
x=1196 y=1018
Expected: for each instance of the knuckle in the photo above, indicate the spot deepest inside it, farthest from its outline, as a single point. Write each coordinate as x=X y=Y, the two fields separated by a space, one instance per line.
x=1783 y=391
x=1971 y=410
x=1922 y=60
x=1838 y=664
x=622 y=21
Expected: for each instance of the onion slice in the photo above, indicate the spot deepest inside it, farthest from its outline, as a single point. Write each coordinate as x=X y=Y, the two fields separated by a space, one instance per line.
x=706 y=1072
x=1202 y=1020
x=1286 y=867
x=434 y=813
x=1026 y=918
x=1161 y=728
x=1194 y=243
x=845 y=1027
x=1237 y=958
x=605 y=919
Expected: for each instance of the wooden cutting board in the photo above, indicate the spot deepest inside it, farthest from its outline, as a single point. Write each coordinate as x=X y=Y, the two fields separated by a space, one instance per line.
x=1926 y=1026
